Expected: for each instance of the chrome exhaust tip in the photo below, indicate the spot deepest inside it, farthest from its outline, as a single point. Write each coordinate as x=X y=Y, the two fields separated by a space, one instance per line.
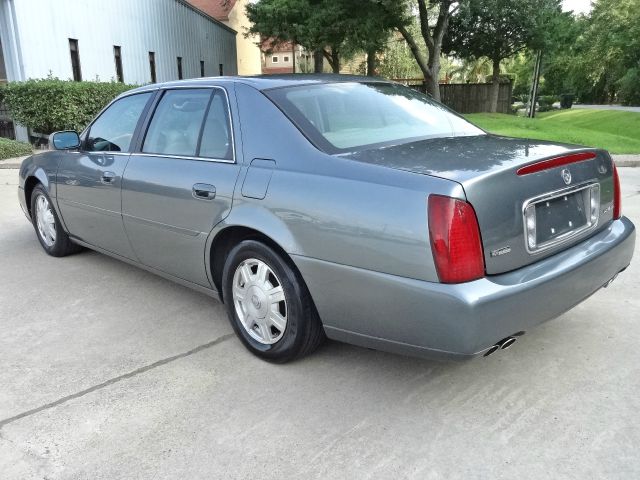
x=507 y=342
x=493 y=349
x=609 y=282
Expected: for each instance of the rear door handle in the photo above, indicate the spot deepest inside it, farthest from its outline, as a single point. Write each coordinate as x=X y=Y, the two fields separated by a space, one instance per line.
x=107 y=178
x=204 y=191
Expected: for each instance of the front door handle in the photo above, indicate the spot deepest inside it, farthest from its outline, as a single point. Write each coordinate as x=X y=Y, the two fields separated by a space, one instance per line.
x=107 y=178
x=204 y=191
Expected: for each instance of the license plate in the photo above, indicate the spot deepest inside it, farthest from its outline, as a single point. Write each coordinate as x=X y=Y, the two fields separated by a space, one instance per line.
x=554 y=218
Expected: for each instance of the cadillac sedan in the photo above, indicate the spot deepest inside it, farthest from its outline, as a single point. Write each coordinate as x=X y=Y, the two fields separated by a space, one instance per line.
x=335 y=206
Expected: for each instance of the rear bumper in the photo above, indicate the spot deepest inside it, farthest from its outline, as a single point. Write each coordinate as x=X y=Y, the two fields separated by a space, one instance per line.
x=415 y=317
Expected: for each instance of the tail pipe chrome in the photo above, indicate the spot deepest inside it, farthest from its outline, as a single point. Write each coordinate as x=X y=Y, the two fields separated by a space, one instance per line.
x=503 y=344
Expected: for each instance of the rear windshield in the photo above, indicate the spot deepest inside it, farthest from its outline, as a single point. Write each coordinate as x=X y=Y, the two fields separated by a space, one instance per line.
x=343 y=117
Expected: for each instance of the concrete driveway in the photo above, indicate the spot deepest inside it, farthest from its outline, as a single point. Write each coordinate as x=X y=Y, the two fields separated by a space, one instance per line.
x=109 y=372
x=622 y=108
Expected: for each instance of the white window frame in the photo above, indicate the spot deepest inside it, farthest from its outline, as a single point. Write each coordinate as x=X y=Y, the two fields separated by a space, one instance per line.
x=274 y=59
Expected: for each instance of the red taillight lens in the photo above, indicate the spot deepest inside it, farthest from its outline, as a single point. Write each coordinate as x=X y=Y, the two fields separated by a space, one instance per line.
x=617 y=202
x=455 y=240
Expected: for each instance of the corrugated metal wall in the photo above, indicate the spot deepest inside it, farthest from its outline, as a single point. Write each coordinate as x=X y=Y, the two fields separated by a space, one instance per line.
x=169 y=28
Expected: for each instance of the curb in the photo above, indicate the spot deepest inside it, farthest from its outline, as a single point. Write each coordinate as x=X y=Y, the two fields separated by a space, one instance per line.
x=9 y=165
x=626 y=160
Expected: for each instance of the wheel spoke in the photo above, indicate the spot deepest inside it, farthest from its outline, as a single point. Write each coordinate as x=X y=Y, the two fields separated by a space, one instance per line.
x=265 y=331
x=248 y=321
x=276 y=295
x=239 y=293
x=262 y=273
x=245 y=271
x=277 y=320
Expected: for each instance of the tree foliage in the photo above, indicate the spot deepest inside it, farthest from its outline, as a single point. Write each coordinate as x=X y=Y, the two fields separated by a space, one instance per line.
x=499 y=29
x=602 y=62
x=331 y=27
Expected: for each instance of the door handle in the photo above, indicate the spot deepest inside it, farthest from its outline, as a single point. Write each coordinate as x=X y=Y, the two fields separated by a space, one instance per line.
x=204 y=191
x=107 y=178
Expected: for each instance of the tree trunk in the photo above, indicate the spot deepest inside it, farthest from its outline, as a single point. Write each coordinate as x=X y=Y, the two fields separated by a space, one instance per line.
x=318 y=61
x=335 y=60
x=433 y=81
x=495 y=87
x=371 y=62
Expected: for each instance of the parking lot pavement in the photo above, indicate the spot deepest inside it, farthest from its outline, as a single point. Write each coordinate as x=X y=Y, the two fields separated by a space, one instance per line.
x=109 y=372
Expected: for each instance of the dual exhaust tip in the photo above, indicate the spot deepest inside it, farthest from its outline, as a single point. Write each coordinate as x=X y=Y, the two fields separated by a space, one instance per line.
x=503 y=344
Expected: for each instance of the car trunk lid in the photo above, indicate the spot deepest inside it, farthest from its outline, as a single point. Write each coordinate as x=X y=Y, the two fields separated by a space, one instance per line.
x=559 y=196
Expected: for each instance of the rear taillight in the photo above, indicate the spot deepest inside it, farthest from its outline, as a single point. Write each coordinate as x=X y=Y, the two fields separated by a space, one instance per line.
x=617 y=203
x=455 y=240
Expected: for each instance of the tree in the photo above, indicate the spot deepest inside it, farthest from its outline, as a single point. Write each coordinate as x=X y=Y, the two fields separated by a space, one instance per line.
x=431 y=34
x=499 y=29
x=326 y=27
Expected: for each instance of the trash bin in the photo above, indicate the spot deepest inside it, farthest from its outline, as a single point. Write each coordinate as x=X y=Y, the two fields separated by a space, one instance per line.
x=566 y=100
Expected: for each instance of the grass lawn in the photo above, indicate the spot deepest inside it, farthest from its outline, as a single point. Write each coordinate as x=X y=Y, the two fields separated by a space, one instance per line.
x=616 y=131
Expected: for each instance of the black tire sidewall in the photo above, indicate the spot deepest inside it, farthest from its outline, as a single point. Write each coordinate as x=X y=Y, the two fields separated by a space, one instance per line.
x=297 y=317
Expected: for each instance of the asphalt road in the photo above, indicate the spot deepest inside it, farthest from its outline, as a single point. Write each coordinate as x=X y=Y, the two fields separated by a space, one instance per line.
x=109 y=372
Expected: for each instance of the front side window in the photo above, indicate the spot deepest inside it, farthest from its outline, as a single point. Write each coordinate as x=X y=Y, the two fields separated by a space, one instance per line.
x=113 y=130
x=190 y=123
x=274 y=59
x=341 y=117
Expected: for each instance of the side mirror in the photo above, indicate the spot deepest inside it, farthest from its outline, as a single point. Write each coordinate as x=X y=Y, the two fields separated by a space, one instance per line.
x=66 y=140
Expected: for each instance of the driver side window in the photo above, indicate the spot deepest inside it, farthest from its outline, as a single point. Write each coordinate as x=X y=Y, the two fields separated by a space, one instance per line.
x=113 y=130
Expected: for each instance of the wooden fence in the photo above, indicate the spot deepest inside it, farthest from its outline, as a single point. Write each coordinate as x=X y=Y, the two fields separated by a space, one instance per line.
x=468 y=97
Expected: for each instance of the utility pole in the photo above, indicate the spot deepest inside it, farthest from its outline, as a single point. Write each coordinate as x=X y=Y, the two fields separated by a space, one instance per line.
x=534 y=87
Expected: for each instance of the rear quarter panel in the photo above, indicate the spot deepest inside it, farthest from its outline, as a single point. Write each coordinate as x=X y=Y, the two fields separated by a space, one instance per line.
x=331 y=208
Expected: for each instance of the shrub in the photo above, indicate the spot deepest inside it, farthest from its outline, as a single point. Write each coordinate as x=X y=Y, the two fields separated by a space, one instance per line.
x=50 y=104
x=629 y=85
x=11 y=148
x=547 y=100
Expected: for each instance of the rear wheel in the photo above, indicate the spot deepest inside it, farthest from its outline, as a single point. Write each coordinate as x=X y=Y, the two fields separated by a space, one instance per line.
x=268 y=304
x=52 y=237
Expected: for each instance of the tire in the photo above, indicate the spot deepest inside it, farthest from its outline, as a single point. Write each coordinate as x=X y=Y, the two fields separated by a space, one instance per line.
x=51 y=235
x=260 y=290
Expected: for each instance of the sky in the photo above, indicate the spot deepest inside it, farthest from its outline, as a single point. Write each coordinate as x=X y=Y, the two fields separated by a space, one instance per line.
x=578 y=6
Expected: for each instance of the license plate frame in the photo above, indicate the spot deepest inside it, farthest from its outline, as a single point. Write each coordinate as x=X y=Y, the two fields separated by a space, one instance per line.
x=590 y=192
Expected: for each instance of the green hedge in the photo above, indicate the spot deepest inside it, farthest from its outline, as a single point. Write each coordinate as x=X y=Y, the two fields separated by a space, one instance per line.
x=11 y=148
x=50 y=104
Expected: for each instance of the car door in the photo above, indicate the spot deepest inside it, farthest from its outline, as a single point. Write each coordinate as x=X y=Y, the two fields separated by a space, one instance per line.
x=89 y=181
x=180 y=183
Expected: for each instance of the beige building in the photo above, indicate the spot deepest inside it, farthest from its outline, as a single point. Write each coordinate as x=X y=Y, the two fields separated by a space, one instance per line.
x=232 y=13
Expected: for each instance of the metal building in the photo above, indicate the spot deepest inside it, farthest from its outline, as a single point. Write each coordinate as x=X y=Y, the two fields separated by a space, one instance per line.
x=135 y=41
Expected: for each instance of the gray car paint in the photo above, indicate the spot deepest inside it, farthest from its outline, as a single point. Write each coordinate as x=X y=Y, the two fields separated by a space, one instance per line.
x=494 y=189
x=356 y=226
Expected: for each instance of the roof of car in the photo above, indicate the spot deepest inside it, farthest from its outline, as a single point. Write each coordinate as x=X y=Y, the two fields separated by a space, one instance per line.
x=263 y=82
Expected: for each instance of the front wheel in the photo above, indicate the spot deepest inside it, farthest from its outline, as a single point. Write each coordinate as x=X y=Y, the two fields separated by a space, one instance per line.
x=268 y=304
x=52 y=237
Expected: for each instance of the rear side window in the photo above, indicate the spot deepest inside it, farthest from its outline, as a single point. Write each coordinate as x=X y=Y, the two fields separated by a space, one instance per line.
x=190 y=123
x=113 y=130
x=216 y=133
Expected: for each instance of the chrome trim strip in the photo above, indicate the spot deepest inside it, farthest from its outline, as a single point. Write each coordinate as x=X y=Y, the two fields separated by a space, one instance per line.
x=590 y=184
x=180 y=157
